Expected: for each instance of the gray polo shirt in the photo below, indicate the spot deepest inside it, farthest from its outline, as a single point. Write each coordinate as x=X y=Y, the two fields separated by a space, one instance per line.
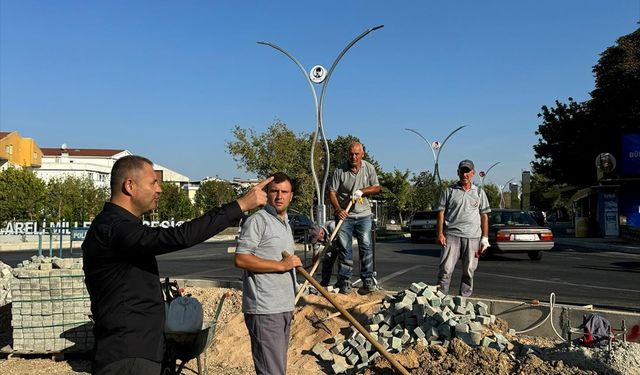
x=344 y=183
x=265 y=236
x=462 y=210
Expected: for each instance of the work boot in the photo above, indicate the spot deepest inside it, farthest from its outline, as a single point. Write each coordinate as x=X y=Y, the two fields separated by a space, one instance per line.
x=343 y=286
x=368 y=286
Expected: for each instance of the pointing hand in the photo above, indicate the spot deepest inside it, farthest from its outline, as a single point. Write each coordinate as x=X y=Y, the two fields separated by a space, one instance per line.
x=255 y=197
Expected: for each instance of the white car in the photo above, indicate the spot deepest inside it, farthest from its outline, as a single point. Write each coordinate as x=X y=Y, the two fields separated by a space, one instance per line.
x=423 y=224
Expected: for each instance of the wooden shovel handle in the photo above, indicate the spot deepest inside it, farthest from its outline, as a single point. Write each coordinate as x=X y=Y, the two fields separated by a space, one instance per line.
x=317 y=262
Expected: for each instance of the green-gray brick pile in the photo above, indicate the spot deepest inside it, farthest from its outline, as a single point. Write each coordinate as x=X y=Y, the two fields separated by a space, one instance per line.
x=51 y=306
x=420 y=313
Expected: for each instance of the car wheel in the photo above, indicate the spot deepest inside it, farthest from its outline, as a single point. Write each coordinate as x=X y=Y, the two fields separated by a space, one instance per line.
x=414 y=237
x=535 y=255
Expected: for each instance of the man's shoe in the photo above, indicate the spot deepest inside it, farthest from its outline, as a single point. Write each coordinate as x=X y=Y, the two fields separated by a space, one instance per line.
x=344 y=287
x=368 y=286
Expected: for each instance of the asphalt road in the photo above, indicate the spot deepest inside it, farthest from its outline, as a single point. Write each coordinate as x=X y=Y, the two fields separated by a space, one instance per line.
x=576 y=276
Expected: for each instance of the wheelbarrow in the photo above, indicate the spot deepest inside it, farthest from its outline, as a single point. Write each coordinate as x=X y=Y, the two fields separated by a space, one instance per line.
x=185 y=346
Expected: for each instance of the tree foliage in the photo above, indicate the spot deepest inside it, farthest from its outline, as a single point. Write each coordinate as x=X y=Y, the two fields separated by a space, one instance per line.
x=424 y=192
x=73 y=199
x=278 y=149
x=213 y=194
x=21 y=195
x=493 y=195
x=174 y=203
x=395 y=192
x=573 y=134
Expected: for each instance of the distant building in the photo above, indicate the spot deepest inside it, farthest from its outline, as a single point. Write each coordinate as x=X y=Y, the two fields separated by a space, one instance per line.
x=18 y=151
x=94 y=164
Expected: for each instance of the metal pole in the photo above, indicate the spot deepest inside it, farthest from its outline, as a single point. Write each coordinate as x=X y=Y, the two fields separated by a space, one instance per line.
x=319 y=132
x=501 y=193
x=39 y=244
x=436 y=154
x=484 y=174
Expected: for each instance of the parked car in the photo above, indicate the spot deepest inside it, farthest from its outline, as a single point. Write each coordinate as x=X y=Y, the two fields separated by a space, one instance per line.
x=423 y=224
x=299 y=223
x=515 y=231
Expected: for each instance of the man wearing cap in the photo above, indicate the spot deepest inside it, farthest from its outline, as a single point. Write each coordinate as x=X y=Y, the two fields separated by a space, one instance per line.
x=463 y=227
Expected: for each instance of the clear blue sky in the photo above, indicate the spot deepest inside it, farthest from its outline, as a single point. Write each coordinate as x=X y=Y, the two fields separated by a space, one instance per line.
x=170 y=79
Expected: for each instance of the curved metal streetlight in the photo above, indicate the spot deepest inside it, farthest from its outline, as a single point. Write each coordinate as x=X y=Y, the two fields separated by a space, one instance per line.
x=501 y=193
x=436 y=147
x=317 y=75
x=484 y=174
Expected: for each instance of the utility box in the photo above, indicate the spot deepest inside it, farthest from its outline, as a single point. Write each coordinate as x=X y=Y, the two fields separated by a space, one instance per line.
x=51 y=306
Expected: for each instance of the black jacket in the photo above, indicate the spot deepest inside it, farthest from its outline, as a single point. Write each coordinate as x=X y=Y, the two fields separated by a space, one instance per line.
x=121 y=274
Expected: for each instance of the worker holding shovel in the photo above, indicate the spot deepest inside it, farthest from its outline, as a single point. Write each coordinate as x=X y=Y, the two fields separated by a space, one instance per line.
x=352 y=182
x=268 y=282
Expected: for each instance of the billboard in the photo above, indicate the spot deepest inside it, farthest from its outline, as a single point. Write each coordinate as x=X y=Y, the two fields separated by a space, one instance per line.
x=631 y=154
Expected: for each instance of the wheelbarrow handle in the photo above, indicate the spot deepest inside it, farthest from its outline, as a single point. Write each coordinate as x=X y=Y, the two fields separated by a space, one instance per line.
x=219 y=308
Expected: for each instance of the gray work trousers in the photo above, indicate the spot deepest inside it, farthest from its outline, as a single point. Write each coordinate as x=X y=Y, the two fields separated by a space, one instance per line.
x=269 y=341
x=456 y=248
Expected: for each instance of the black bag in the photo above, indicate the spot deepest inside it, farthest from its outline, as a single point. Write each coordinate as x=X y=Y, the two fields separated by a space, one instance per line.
x=597 y=330
x=170 y=290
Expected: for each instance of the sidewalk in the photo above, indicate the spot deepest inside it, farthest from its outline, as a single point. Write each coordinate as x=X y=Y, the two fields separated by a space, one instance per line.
x=598 y=243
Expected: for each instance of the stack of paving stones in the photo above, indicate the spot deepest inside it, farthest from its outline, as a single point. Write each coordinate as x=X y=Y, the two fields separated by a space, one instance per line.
x=5 y=297
x=420 y=313
x=51 y=307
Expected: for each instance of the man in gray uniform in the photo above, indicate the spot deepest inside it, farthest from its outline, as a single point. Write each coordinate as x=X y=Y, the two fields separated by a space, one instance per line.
x=354 y=181
x=268 y=285
x=463 y=227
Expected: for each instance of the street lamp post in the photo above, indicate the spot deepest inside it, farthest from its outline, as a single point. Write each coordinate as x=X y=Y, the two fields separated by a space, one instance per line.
x=501 y=193
x=484 y=174
x=319 y=75
x=436 y=147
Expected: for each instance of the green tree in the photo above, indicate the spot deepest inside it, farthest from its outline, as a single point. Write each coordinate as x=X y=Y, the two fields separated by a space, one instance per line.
x=395 y=192
x=573 y=134
x=566 y=147
x=73 y=199
x=424 y=192
x=278 y=149
x=21 y=195
x=493 y=195
x=174 y=203
x=213 y=194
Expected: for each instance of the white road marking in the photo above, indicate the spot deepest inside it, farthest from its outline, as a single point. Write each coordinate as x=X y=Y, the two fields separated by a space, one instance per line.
x=390 y=276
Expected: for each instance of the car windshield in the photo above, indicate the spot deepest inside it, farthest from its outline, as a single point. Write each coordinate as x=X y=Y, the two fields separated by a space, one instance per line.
x=517 y=218
x=429 y=215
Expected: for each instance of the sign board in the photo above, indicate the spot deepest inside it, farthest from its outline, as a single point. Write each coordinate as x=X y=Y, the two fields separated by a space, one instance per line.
x=78 y=234
x=631 y=154
x=317 y=74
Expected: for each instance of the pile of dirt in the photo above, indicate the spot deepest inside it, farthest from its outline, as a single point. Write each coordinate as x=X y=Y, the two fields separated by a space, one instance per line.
x=230 y=352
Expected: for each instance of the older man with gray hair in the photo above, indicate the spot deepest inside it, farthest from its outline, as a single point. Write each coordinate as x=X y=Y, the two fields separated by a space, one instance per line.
x=463 y=227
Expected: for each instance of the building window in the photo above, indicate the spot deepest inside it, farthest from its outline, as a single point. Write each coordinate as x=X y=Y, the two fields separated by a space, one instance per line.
x=35 y=156
x=8 y=149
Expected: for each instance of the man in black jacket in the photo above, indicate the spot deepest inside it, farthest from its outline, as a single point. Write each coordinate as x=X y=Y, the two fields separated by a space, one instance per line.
x=121 y=272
